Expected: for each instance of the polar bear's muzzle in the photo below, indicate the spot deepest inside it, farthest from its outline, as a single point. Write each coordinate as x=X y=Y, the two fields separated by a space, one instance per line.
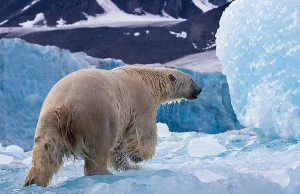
x=195 y=91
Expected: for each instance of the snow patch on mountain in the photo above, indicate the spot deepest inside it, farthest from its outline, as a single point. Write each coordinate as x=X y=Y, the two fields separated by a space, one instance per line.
x=38 y=18
x=179 y=34
x=28 y=6
x=204 y=5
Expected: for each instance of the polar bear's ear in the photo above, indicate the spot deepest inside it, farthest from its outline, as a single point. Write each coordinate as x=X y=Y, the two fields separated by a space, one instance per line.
x=172 y=77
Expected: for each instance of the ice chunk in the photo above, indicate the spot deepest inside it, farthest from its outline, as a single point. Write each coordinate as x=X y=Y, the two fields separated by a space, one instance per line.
x=14 y=149
x=258 y=43
x=279 y=177
x=27 y=161
x=4 y=159
x=163 y=130
x=207 y=176
x=205 y=146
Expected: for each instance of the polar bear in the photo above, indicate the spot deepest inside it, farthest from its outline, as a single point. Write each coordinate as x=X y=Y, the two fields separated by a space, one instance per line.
x=106 y=117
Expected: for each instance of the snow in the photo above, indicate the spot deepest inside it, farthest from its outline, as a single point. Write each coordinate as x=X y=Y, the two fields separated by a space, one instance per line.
x=60 y=22
x=1 y=23
x=39 y=17
x=259 y=46
x=28 y=6
x=181 y=34
x=113 y=17
x=138 y=10
x=209 y=46
x=194 y=45
x=205 y=146
x=200 y=62
x=136 y=34
x=204 y=5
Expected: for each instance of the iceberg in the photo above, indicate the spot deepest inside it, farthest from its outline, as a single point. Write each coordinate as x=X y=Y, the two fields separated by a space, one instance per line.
x=258 y=44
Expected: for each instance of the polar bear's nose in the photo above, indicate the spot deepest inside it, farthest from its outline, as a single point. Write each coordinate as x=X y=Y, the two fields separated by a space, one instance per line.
x=200 y=90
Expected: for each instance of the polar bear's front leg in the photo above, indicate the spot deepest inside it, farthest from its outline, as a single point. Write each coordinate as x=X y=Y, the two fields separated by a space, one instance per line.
x=147 y=140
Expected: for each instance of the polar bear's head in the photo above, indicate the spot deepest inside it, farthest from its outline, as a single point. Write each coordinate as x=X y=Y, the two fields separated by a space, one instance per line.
x=183 y=86
x=166 y=84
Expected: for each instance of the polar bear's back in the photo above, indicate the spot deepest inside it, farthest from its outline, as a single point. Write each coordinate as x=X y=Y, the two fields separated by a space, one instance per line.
x=83 y=96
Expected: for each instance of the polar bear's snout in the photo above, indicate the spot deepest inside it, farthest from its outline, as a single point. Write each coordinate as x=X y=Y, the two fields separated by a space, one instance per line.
x=195 y=90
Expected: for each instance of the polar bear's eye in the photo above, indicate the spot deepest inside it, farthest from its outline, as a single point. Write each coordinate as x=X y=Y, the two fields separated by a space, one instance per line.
x=172 y=77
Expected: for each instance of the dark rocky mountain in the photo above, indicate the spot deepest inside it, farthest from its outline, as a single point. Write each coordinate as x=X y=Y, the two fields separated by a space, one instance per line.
x=70 y=10
x=134 y=44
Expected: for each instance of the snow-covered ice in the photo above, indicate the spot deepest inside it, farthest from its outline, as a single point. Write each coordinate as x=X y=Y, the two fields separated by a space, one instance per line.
x=264 y=166
x=258 y=43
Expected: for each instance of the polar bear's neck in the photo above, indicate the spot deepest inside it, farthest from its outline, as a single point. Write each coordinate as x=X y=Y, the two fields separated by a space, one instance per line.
x=157 y=81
